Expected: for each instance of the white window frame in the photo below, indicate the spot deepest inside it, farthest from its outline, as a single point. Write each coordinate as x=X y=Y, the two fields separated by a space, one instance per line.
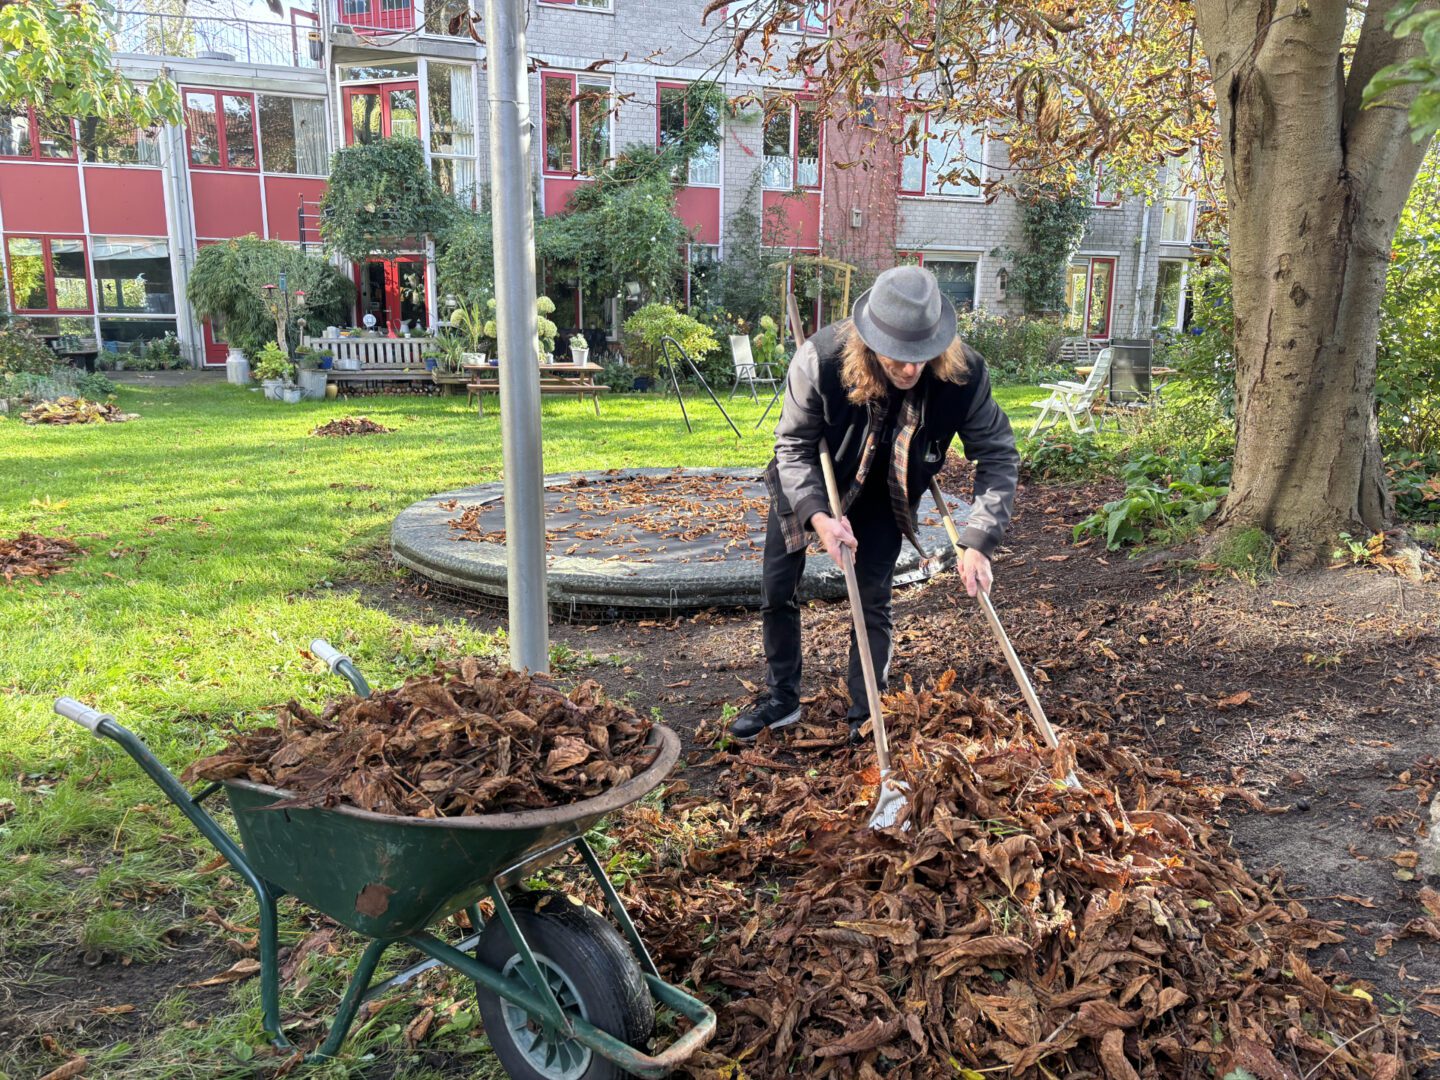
x=925 y=168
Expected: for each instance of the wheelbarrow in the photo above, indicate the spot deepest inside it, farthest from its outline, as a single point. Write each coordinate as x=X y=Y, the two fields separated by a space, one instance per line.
x=563 y=996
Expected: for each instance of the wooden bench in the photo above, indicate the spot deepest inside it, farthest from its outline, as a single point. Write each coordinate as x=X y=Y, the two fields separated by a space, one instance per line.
x=374 y=359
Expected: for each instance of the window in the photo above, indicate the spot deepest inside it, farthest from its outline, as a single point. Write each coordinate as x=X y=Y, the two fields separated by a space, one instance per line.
x=814 y=18
x=1089 y=293
x=956 y=278
x=792 y=146
x=1170 y=300
x=47 y=275
x=380 y=112
x=130 y=335
x=674 y=118
x=117 y=142
x=24 y=132
x=292 y=135
x=1177 y=222
x=452 y=129
x=949 y=160
x=132 y=276
x=577 y=124
x=378 y=14
x=221 y=129
x=701 y=265
x=1105 y=196
x=588 y=5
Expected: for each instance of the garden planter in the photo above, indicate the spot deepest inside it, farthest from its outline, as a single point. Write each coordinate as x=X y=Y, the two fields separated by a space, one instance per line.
x=272 y=388
x=292 y=395
x=580 y=356
x=327 y=363
x=331 y=391
x=429 y=363
x=473 y=357
x=312 y=382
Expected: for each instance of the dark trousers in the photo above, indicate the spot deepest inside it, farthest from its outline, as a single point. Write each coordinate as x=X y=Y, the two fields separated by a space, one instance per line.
x=878 y=545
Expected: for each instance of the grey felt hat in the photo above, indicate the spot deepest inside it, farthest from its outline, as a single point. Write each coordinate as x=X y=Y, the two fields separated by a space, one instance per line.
x=904 y=316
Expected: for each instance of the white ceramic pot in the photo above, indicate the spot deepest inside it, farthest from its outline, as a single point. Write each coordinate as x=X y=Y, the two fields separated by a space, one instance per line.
x=580 y=356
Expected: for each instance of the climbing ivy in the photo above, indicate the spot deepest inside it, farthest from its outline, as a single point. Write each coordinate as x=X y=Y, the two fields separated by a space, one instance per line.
x=1053 y=222
x=382 y=199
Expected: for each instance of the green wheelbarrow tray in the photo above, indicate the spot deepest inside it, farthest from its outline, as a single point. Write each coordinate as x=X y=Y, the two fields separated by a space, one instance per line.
x=389 y=877
x=386 y=876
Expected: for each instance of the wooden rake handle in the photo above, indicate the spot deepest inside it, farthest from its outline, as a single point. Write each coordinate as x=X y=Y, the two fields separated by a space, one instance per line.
x=857 y=616
x=1017 y=669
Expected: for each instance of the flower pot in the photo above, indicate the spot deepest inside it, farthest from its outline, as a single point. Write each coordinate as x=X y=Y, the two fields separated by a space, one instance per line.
x=312 y=381
x=331 y=391
x=641 y=382
x=272 y=388
x=326 y=363
x=580 y=356
x=429 y=363
x=292 y=395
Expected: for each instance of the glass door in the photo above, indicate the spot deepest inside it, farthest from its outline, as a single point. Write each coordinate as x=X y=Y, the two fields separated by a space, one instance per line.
x=381 y=111
x=393 y=290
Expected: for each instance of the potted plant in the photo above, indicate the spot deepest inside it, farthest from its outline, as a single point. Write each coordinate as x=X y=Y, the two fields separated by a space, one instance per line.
x=311 y=375
x=273 y=369
x=579 y=349
x=475 y=327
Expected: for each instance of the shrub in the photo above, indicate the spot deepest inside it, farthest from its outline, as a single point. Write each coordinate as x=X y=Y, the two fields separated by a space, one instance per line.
x=272 y=363
x=649 y=326
x=22 y=351
x=1081 y=458
x=60 y=381
x=1016 y=350
x=1166 y=497
x=1415 y=483
x=381 y=198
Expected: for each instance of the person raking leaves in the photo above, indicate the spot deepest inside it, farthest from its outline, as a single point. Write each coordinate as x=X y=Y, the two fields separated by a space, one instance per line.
x=886 y=391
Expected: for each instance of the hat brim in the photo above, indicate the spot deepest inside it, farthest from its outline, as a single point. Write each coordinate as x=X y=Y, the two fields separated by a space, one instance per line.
x=906 y=352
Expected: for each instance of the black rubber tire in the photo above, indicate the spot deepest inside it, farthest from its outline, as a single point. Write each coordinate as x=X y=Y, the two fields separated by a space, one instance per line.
x=592 y=954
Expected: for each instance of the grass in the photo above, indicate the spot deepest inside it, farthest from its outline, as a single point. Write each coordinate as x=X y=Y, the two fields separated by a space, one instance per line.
x=220 y=538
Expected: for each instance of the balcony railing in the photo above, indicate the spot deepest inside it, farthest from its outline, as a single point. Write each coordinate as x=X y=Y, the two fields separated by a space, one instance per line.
x=295 y=44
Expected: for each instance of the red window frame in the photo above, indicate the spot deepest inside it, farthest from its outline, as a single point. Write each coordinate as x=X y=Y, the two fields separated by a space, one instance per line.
x=795 y=184
x=35 y=154
x=1099 y=193
x=384 y=90
x=660 y=87
x=222 y=138
x=51 y=308
x=377 y=16
x=571 y=80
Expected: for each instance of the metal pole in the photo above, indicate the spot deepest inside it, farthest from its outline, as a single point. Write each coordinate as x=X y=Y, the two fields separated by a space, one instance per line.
x=512 y=205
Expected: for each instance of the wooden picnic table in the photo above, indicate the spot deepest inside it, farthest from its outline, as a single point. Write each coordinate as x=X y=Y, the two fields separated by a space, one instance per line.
x=577 y=379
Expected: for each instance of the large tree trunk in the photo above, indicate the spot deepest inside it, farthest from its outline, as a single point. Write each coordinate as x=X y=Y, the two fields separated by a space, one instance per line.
x=1315 y=188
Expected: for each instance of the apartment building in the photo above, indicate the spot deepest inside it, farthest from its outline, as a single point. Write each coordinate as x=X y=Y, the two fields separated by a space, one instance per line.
x=100 y=224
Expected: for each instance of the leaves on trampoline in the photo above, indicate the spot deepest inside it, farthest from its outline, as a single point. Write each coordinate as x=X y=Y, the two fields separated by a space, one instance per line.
x=465 y=740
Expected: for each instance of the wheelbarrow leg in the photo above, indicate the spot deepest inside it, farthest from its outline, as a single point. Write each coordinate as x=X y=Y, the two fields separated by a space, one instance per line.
x=617 y=908
x=269 y=965
x=354 y=994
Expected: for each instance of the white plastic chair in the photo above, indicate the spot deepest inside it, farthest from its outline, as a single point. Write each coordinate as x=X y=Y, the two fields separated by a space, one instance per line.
x=1072 y=401
x=747 y=370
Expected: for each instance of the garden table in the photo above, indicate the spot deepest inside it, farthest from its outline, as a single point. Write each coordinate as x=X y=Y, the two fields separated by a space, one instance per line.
x=577 y=379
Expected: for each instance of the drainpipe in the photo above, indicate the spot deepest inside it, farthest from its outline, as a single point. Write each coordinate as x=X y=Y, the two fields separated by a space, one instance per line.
x=1141 y=317
x=173 y=165
x=512 y=209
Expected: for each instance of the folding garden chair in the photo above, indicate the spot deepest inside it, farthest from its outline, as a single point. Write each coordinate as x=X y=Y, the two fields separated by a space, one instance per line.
x=1072 y=401
x=747 y=370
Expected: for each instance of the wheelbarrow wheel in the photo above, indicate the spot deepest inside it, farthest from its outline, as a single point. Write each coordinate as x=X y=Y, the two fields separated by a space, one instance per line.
x=591 y=972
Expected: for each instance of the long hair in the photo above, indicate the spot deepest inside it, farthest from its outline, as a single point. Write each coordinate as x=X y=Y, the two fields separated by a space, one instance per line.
x=865 y=380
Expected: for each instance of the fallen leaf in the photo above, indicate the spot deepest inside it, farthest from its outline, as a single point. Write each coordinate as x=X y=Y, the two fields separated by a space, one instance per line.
x=113 y=1010
x=72 y=1068
x=1234 y=700
x=240 y=970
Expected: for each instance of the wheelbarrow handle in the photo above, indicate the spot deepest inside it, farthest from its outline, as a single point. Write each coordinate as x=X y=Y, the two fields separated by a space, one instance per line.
x=82 y=714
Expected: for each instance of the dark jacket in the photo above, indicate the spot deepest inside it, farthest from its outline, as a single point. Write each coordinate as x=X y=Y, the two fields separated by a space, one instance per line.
x=817 y=406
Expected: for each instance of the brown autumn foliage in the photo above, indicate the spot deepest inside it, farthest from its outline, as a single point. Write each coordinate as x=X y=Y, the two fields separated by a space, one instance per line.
x=75 y=410
x=466 y=740
x=351 y=425
x=1016 y=928
x=31 y=555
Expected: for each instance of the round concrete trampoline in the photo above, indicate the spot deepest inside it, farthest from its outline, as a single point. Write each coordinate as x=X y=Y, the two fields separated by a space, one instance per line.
x=631 y=541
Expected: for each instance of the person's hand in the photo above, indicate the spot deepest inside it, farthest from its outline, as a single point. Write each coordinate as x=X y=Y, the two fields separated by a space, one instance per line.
x=975 y=572
x=833 y=534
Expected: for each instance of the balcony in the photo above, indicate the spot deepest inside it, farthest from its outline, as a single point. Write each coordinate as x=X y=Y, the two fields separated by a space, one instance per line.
x=293 y=44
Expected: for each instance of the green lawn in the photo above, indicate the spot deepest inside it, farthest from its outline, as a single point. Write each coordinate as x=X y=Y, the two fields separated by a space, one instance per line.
x=215 y=528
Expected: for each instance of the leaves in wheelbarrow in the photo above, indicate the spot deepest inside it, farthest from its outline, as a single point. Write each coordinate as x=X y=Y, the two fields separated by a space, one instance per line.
x=1018 y=928
x=466 y=740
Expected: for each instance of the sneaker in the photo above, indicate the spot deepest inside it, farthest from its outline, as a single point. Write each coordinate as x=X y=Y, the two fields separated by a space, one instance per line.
x=767 y=714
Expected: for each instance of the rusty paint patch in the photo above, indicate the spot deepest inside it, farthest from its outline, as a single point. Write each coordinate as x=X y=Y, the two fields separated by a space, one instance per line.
x=374 y=900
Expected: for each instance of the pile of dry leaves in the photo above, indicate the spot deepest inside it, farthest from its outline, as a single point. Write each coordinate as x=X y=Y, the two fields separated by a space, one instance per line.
x=466 y=740
x=31 y=555
x=75 y=410
x=682 y=516
x=1017 y=928
x=352 y=425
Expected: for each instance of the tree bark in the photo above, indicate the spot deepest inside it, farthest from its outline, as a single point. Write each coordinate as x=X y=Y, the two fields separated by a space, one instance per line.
x=1315 y=188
